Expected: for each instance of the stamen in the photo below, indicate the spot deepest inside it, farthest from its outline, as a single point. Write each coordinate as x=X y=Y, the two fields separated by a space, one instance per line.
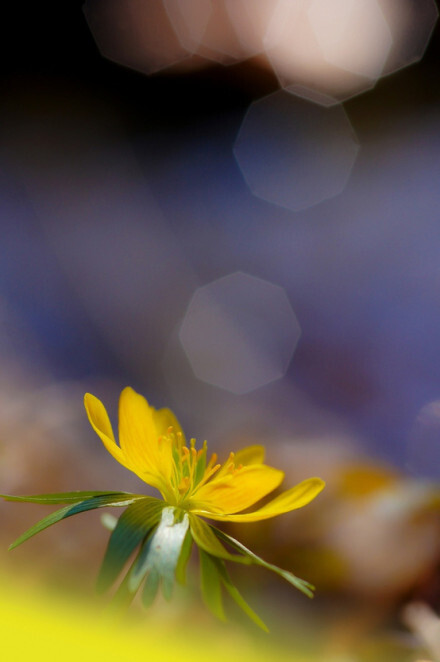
x=212 y=461
x=208 y=473
x=192 y=465
x=183 y=485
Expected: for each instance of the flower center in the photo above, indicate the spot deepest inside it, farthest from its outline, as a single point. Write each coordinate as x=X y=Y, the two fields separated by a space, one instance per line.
x=190 y=469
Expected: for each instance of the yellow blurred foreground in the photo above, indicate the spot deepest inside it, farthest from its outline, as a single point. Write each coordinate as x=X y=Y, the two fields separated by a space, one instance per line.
x=36 y=627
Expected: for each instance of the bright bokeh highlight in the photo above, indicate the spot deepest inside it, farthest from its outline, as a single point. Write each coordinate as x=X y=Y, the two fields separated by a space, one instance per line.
x=239 y=333
x=317 y=49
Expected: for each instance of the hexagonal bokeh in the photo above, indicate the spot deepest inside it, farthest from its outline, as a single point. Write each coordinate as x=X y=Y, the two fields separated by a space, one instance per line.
x=239 y=333
x=324 y=50
x=134 y=33
x=295 y=53
x=250 y=19
x=321 y=50
x=422 y=447
x=189 y=19
x=411 y=23
x=293 y=153
x=220 y=41
x=346 y=30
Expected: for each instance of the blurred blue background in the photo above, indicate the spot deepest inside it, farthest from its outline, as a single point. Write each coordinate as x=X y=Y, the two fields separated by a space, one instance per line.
x=120 y=195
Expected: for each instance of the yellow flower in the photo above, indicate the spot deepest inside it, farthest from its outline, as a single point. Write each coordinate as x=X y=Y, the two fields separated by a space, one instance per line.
x=152 y=445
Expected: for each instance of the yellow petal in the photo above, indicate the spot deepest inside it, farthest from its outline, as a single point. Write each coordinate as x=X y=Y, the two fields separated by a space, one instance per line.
x=234 y=492
x=137 y=432
x=296 y=497
x=250 y=455
x=165 y=419
x=139 y=439
x=100 y=422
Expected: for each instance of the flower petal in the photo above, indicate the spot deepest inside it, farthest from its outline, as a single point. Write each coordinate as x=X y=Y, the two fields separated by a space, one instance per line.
x=165 y=419
x=250 y=455
x=100 y=422
x=137 y=433
x=234 y=492
x=150 y=459
x=296 y=497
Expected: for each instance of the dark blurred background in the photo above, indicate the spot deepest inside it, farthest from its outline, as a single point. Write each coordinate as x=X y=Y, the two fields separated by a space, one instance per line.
x=121 y=195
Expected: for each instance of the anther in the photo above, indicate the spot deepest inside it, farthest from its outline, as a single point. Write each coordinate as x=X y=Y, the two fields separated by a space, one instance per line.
x=212 y=461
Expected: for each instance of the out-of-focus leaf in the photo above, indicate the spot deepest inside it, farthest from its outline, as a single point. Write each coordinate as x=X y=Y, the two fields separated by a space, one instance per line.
x=236 y=596
x=184 y=558
x=132 y=527
x=123 y=597
x=211 y=584
x=161 y=551
x=151 y=587
x=300 y=584
x=205 y=538
x=109 y=521
x=66 y=497
x=115 y=499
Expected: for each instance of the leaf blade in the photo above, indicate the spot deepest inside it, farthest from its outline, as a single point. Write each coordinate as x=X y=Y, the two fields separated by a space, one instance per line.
x=205 y=537
x=236 y=595
x=184 y=558
x=301 y=584
x=68 y=511
x=160 y=553
x=132 y=527
x=211 y=585
x=151 y=588
x=64 y=497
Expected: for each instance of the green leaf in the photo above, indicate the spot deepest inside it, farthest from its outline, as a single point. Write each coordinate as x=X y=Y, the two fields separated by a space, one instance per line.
x=160 y=553
x=109 y=521
x=236 y=596
x=112 y=499
x=300 y=584
x=132 y=527
x=211 y=585
x=123 y=597
x=184 y=558
x=205 y=538
x=151 y=587
x=65 y=497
